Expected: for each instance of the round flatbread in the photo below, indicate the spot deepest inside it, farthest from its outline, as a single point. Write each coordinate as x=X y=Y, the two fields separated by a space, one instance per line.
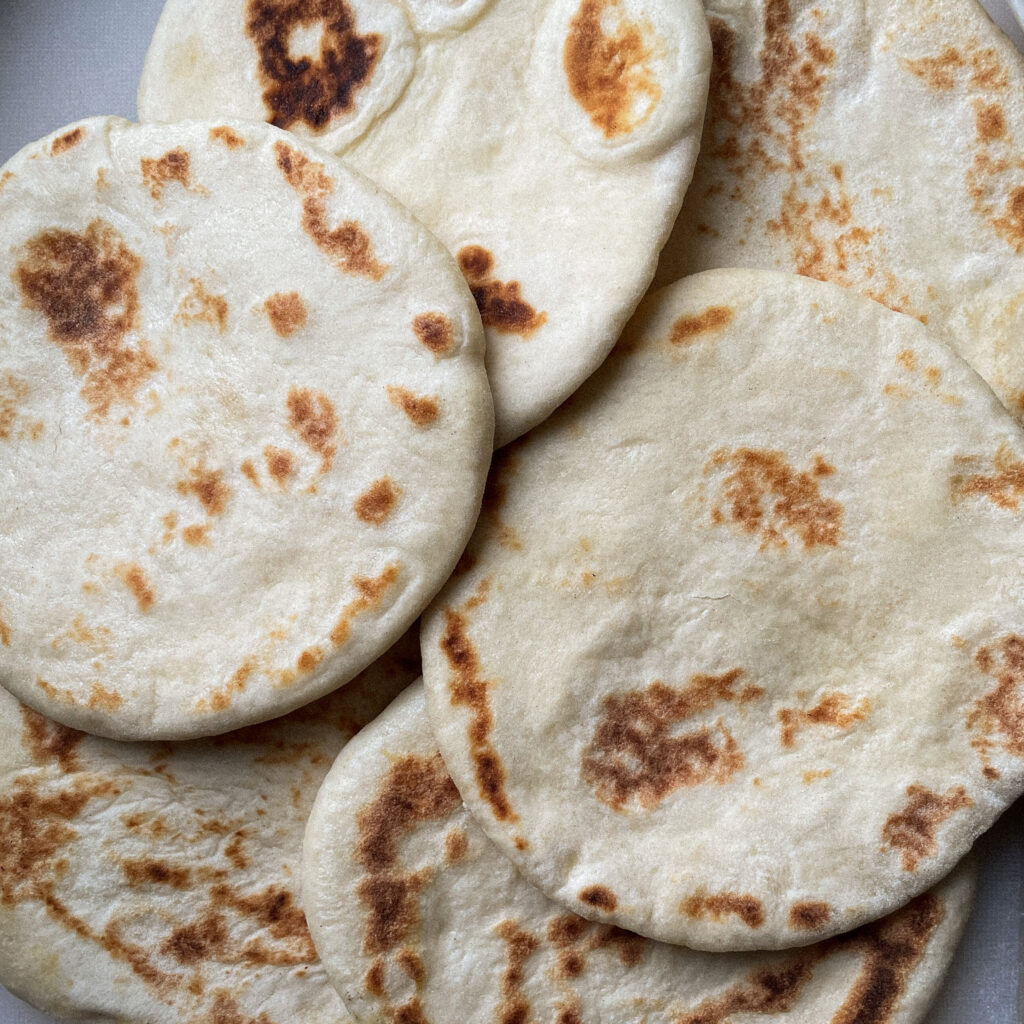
x=418 y=916
x=547 y=144
x=244 y=425
x=876 y=144
x=736 y=656
x=158 y=883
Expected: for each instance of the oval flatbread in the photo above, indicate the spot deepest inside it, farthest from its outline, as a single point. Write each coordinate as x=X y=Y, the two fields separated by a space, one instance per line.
x=547 y=144
x=244 y=425
x=157 y=883
x=741 y=631
x=876 y=144
x=418 y=917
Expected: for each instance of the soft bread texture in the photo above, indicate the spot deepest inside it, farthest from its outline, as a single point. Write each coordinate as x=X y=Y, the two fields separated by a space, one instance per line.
x=245 y=425
x=876 y=144
x=741 y=630
x=547 y=145
x=158 y=883
x=418 y=916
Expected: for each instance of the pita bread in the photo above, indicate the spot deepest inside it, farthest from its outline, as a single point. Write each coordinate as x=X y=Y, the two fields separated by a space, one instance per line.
x=245 y=425
x=547 y=144
x=158 y=883
x=736 y=658
x=879 y=145
x=449 y=933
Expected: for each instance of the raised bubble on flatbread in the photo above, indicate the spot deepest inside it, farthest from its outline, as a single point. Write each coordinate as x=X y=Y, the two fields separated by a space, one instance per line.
x=245 y=425
x=419 y=917
x=876 y=144
x=158 y=883
x=547 y=144
x=735 y=658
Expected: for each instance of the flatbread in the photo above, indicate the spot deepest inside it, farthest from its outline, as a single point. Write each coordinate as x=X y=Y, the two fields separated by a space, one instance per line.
x=418 y=916
x=547 y=144
x=877 y=144
x=158 y=883
x=244 y=425
x=736 y=655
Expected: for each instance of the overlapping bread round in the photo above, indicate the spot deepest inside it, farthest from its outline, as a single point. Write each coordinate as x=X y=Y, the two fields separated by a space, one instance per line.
x=419 y=917
x=245 y=425
x=158 y=883
x=877 y=144
x=735 y=658
x=548 y=144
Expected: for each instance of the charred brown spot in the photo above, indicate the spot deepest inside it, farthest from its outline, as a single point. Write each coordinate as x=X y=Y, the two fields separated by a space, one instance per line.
x=990 y=121
x=153 y=871
x=348 y=245
x=227 y=137
x=160 y=171
x=102 y=699
x=377 y=502
x=5 y=634
x=809 y=915
x=515 y=1007
x=370 y=593
x=687 y=328
x=1004 y=486
x=1002 y=710
x=456 y=846
x=304 y=90
x=220 y=699
x=196 y=535
x=718 y=905
x=13 y=392
x=501 y=304
x=609 y=75
x=833 y=710
x=47 y=741
x=225 y=1010
x=634 y=754
x=137 y=582
x=207 y=486
x=309 y=659
x=286 y=312
x=311 y=415
x=600 y=897
x=1011 y=223
x=416 y=789
x=467 y=689
x=201 y=306
x=67 y=141
x=250 y=473
x=421 y=410
x=912 y=831
x=280 y=464
x=435 y=332
x=192 y=943
x=764 y=495
x=86 y=286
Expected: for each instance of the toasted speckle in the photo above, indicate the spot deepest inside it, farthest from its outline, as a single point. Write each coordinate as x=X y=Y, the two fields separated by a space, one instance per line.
x=421 y=410
x=207 y=486
x=435 y=332
x=1002 y=710
x=688 y=328
x=5 y=633
x=311 y=415
x=227 y=137
x=304 y=90
x=280 y=464
x=1004 y=486
x=67 y=141
x=86 y=285
x=370 y=593
x=456 y=846
x=348 y=245
x=377 y=502
x=719 y=905
x=48 y=741
x=250 y=473
x=809 y=915
x=763 y=495
x=172 y=166
x=135 y=580
x=609 y=73
x=103 y=699
x=153 y=871
x=912 y=831
x=600 y=897
x=286 y=312
x=501 y=304
x=196 y=535
x=637 y=753
x=201 y=306
x=833 y=710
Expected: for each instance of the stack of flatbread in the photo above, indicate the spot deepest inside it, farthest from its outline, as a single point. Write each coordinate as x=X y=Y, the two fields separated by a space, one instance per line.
x=722 y=650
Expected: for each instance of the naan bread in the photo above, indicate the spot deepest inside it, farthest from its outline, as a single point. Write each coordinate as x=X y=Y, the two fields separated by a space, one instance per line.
x=876 y=144
x=418 y=917
x=158 y=883
x=736 y=656
x=244 y=425
x=548 y=144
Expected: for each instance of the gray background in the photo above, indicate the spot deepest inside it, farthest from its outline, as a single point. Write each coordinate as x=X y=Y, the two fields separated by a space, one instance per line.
x=61 y=60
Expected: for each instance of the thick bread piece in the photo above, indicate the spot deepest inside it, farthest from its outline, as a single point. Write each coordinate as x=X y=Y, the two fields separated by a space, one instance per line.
x=146 y=883
x=548 y=144
x=877 y=144
x=244 y=425
x=419 y=917
x=736 y=656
